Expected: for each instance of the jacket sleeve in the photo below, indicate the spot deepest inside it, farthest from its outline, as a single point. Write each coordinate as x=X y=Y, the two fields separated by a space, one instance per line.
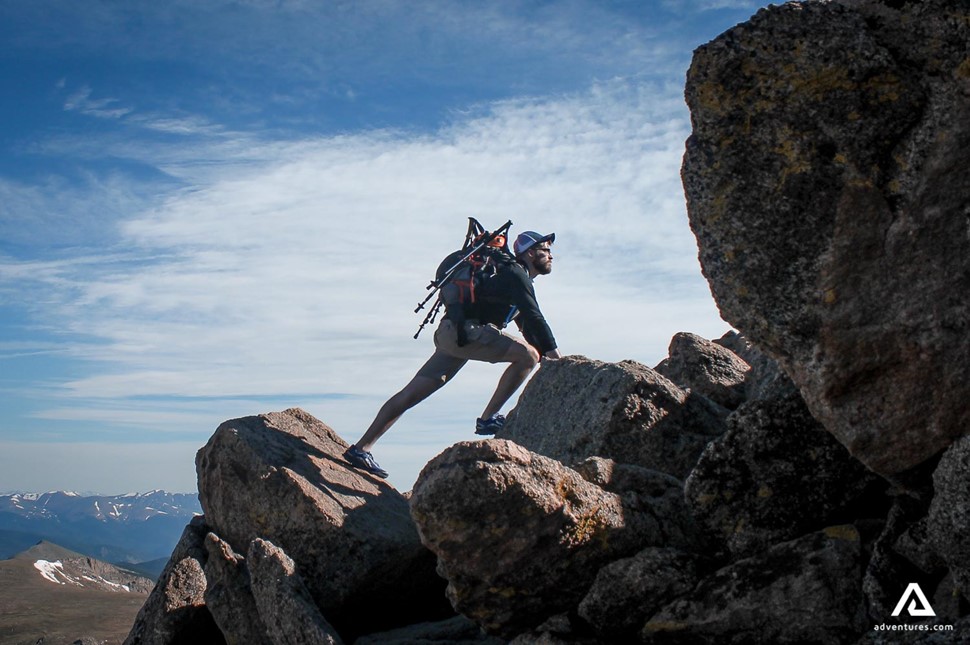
x=533 y=324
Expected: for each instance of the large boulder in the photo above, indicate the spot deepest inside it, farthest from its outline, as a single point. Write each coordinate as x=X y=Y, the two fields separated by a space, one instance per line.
x=575 y=408
x=280 y=477
x=828 y=182
x=519 y=536
x=774 y=475
x=808 y=590
x=706 y=367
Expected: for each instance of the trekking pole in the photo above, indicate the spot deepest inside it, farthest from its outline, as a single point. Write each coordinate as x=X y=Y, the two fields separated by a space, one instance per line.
x=429 y=319
x=436 y=284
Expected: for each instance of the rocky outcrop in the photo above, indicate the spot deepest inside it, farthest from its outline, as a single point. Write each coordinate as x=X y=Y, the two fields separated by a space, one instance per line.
x=520 y=537
x=295 y=546
x=623 y=411
x=777 y=535
x=707 y=368
x=828 y=185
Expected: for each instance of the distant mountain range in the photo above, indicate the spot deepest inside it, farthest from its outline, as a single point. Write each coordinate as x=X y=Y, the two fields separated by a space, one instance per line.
x=124 y=529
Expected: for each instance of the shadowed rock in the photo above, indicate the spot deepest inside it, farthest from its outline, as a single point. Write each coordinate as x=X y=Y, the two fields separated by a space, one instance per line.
x=454 y=631
x=948 y=523
x=807 y=590
x=628 y=592
x=828 y=185
x=282 y=600
x=774 y=475
x=229 y=596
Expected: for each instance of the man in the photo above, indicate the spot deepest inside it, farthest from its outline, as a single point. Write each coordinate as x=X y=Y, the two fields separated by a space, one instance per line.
x=476 y=332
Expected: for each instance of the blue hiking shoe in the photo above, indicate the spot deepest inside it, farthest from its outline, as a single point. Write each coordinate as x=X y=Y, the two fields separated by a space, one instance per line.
x=490 y=425
x=364 y=461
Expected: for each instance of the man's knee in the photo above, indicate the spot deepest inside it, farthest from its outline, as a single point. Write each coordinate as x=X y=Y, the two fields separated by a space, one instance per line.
x=526 y=356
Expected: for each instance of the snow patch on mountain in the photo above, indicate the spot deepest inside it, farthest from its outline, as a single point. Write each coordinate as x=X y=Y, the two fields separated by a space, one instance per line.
x=54 y=571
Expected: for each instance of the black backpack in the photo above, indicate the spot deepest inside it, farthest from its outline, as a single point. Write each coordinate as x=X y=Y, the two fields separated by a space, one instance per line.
x=462 y=273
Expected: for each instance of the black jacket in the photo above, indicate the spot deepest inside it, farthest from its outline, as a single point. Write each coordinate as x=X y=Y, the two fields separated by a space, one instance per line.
x=510 y=295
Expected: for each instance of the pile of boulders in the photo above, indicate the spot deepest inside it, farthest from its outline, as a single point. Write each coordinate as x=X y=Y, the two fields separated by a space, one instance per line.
x=565 y=529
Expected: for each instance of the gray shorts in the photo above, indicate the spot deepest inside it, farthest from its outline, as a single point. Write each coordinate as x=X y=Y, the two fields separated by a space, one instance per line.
x=486 y=343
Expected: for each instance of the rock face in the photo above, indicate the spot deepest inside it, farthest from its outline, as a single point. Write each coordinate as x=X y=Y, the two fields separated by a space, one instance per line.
x=623 y=411
x=804 y=591
x=948 y=522
x=828 y=185
x=749 y=487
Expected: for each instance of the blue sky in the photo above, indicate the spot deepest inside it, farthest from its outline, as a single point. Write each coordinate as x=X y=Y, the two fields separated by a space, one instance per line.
x=215 y=209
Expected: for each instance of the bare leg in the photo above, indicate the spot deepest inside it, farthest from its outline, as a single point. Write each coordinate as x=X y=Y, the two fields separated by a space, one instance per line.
x=420 y=388
x=523 y=359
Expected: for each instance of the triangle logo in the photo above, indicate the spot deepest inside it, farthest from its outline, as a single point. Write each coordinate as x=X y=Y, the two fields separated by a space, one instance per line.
x=914 y=609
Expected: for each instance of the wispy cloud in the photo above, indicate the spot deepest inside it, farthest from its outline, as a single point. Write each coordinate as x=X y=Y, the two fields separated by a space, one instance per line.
x=82 y=101
x=298 y=273
x=105 y=108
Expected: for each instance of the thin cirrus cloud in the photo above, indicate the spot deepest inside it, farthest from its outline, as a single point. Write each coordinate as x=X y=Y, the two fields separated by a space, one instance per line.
x=106 y=108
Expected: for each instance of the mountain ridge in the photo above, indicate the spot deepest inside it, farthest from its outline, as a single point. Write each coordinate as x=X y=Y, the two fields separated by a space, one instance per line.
x=127 y=529
x=125 y=507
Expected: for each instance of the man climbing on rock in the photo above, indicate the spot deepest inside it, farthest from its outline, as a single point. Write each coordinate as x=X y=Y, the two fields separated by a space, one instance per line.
x=475 y=331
